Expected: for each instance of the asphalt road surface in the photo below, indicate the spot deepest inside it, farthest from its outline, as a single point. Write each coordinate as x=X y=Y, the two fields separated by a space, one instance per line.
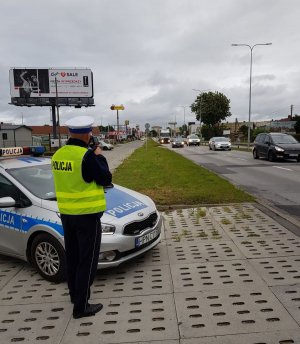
x=275 y=183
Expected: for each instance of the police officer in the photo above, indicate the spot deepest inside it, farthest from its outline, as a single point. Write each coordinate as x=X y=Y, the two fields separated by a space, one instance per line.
x=80 y=174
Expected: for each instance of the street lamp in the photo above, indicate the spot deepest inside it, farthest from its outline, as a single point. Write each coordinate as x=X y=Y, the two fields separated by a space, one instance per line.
x=251 y=48
x=200 y=119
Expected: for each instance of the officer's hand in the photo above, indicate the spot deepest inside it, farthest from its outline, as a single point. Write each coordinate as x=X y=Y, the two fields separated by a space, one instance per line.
x=98 y=151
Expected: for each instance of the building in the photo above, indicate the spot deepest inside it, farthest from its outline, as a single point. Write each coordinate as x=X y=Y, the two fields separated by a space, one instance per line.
x=46 y=132
x=12 y=135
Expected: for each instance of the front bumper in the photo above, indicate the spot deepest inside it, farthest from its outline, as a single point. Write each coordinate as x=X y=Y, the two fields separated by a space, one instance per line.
x=126 y=249
x=225 y=147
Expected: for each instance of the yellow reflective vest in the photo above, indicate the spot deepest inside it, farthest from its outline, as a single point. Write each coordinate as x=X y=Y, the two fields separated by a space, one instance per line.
x=74 y=195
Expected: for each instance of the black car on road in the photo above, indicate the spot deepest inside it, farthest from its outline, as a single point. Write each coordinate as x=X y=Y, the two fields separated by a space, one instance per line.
x=178 y=142
x=274 y=146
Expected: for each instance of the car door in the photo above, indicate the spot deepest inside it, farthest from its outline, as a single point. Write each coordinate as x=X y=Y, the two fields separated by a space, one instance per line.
x=265 y=145
x=12 y=237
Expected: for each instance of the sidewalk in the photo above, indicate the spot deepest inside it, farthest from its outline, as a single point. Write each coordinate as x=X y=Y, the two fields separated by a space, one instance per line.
x=221 y=275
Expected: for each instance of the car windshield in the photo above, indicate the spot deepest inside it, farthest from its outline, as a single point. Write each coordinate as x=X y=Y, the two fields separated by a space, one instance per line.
x=284 y=139
x=37 y=179
x=194 y=137
x=221 y=139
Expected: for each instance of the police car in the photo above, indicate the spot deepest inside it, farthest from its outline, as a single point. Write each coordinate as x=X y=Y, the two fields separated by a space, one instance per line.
x=30 y=226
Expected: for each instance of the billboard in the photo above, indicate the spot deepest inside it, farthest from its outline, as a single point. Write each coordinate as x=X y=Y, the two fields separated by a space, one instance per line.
x=43 y=86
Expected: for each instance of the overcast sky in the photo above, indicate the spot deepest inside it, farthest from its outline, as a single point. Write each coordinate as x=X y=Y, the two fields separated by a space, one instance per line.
x=149 y=54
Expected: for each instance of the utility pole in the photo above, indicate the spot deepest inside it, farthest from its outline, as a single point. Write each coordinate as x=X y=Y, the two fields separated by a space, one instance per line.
x=292 y=106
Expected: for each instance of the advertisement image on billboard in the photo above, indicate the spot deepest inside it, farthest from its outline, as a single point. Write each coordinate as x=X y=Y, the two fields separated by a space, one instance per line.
x=28 y=85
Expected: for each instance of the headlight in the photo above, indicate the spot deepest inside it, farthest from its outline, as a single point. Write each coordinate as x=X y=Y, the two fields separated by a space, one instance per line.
x=107 y=228
x=278 y=149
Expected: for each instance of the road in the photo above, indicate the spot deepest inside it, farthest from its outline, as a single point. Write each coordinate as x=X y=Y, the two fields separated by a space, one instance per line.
x=276 y=183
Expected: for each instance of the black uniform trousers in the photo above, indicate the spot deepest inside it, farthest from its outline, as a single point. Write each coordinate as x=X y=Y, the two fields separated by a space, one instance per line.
x=82 y=235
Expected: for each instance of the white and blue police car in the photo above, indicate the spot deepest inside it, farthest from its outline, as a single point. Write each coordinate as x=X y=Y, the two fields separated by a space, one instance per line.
x=30 y=226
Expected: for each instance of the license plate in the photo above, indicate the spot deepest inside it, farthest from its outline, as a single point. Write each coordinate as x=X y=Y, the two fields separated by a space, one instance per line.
x=293 y=155
x=146 y=238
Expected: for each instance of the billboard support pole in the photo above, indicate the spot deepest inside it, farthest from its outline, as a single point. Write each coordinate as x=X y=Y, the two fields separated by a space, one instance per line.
x=118 y=125
x=58 y=124
x=54 y=121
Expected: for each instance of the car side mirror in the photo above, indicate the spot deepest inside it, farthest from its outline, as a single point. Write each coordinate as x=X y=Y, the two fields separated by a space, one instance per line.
x=6 y=202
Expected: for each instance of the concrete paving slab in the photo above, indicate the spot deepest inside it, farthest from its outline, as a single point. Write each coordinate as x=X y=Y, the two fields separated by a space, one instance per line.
x=9 y=267
x=187 y=224
x=127 y=319
x=278 y=271
x=131 y=281
x=269 y=247
x=289 y=296
x=28 y=287
x=223 y=312
x=215 y=275
x=278 y=337
x=198 y=251
x=157 y=256
x=246 y=221
x=34 y=323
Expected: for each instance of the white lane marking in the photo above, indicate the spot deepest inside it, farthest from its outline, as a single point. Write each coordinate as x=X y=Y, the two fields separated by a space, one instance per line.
x=283 y=168
x=241 y=159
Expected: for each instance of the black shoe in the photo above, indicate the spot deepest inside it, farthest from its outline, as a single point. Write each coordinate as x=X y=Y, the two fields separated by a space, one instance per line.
x=89 y=311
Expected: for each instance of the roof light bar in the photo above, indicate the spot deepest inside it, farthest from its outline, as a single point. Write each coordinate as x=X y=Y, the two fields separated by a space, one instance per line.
x=17 y=151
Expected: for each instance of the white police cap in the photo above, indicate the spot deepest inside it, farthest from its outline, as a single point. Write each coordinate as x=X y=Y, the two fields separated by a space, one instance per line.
x=80 y=124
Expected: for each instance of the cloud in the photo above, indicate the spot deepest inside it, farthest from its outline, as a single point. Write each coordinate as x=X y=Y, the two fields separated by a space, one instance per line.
x=150 y=54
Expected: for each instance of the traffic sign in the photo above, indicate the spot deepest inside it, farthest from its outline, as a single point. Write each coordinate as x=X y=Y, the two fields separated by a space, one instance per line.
x=117 y=107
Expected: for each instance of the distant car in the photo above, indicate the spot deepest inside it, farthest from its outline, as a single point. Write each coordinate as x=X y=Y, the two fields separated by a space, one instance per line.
x=105 y=146
x=274 y=146
x=178 y=142
x=219 y=142
x=193 y=140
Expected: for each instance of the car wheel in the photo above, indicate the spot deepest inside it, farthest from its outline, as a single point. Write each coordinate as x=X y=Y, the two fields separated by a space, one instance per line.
x=255 y=155
x=271 y=156
x=48 y=257
x=105 y=148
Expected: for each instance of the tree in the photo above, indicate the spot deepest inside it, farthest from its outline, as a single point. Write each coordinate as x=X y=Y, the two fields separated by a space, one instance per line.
x=243 y=130
x=153 y=133
x=297 y=124
x=183 y=131
x=213 y=106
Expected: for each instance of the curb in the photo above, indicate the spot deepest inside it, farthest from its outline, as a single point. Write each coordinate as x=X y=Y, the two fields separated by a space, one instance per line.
x=278 y=212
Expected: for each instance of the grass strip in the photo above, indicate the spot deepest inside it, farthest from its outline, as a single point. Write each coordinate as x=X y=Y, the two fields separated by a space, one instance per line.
x=170 y=179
